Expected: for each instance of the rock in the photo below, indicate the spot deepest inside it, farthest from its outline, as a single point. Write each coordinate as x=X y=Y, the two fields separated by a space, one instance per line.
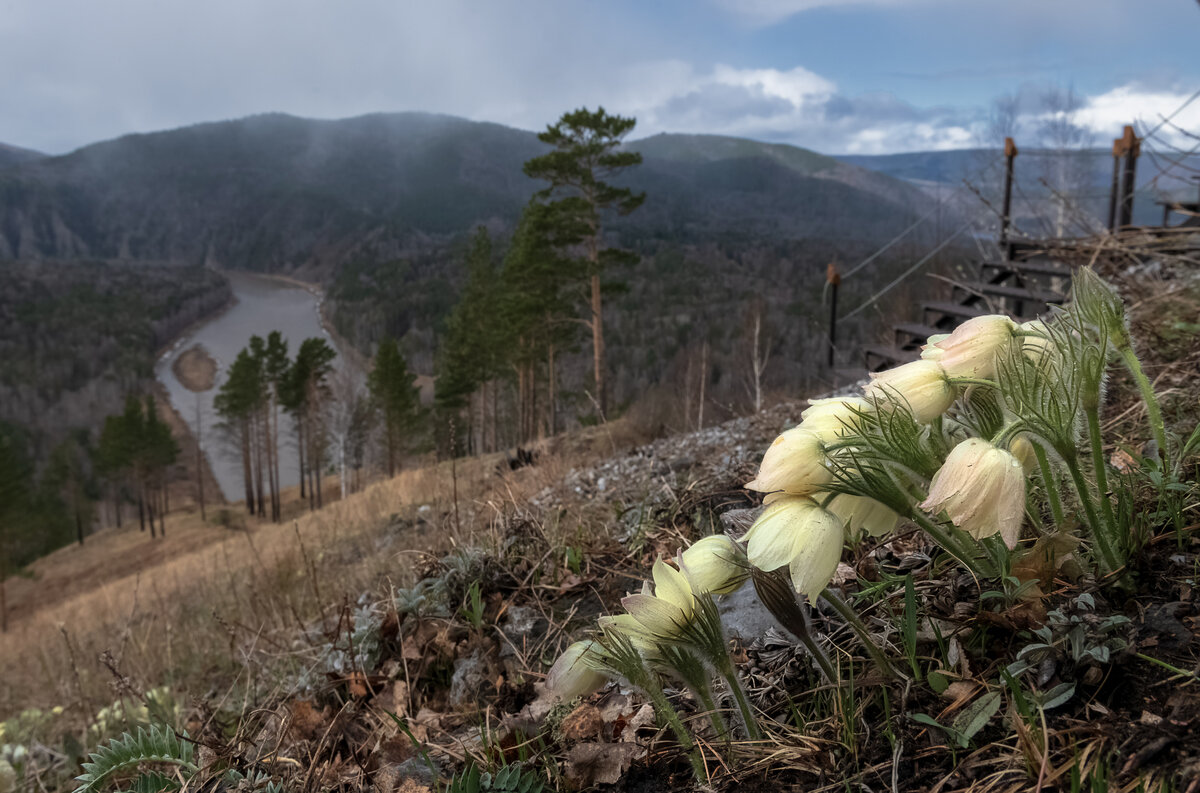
x=738 y=521
x=744 y=615
x=472 y=677
x=524 y=626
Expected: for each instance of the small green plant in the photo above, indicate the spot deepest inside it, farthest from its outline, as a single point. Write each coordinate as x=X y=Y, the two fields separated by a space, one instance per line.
x=509 y=779
x=472 y=607
x=128 y=758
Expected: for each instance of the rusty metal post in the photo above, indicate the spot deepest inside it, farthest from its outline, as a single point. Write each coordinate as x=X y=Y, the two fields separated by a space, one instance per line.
x=833 y=278
x=1010 y=153
x=1118 y=149
x=1133 y=148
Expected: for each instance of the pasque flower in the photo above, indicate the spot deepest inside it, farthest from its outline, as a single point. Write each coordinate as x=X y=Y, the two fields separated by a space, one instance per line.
x=970 y=351
x=860 y=514
x=796 y=533
x=574 y=674
x=830 y=419
x=920 y=385
x=930 y=351
x=714 y=564
x=664 y=611
x=795 y=463
x=1036 y=346
x=982 y=490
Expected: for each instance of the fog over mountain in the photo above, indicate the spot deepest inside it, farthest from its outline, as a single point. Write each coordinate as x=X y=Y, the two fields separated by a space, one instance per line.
x=275 y=192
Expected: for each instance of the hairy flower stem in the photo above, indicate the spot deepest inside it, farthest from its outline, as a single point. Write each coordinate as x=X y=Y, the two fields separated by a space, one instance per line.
x=1085 y=499
x=669 y=715
x=953 y=545
x=1097 y=443
x=1153 y=411
x=714 y=713
x=739 y=694
x=852 y=619
x=1051 y=484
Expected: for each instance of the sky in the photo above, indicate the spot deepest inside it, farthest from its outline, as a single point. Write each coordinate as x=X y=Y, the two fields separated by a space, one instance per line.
x=837 y=76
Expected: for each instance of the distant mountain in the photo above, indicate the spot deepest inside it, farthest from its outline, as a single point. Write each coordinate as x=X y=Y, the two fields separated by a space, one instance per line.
x=275 y=192
x=14 y=155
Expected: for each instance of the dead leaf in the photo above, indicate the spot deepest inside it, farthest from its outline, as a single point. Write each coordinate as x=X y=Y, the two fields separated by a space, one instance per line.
x=591 y=764
x=411 y=785
x=583 y=723
x=1122 y=460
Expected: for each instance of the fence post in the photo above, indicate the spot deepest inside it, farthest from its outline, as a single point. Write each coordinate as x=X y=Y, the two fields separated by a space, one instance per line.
x=833 y=278
x=1010 y=153
x=1118 y=149
x=1133 y=147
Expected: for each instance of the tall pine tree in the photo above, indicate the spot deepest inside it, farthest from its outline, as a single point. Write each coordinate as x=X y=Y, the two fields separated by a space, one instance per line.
x=587 y=152
x=396 y=397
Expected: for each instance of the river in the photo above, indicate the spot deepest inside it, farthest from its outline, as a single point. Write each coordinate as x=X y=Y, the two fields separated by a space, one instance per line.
x=263 y=304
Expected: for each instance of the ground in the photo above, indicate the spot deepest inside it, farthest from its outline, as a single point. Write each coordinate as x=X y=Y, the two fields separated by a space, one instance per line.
x=395 y=639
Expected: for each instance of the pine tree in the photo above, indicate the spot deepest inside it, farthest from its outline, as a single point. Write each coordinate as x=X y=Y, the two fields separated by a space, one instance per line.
x=397 y=398
x=586 y=152
x=305 y=389
x=473 y=351
x=537 y=307
x=238 y=402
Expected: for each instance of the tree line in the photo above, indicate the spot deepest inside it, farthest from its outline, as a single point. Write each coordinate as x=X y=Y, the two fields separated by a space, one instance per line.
x=333 y=416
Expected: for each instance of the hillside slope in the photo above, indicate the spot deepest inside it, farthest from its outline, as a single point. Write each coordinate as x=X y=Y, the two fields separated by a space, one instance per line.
x=275 y=192
x=15 y=155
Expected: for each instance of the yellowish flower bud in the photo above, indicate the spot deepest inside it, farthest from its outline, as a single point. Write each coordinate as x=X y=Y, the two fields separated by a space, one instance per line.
x=796 y=533
x=919 y=385
x=982 y=490
x=1022 y=448
x=668 y=611
x=795 y=463
x=860 y=514
x=714 y=564
x=830 y=419
x=574 y=673
x=1036 y=347
x=930 y=350
x=970 y=351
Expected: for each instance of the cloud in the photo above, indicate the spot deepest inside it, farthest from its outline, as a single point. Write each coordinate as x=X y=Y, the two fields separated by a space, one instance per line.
x=794 y=106
x=1145 y=107
x=769 y=12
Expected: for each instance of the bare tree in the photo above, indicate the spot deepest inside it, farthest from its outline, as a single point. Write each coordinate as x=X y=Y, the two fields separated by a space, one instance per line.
x=1065 y=139
x=761 y=345
x=343 y=411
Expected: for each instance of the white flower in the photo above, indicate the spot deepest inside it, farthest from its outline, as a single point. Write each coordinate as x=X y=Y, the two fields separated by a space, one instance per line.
x=970 y=351
x=794 y=463
x=982 y=490
x=574 y=674
x=830 y=419
x=919 y=385
x=860 y=514
x=1022 y=448
x=714 y=564
x=670 y=608
x=796 y=533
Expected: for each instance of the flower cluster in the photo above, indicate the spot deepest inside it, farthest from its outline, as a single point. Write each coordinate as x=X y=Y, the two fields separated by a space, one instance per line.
x=985 y=427
x=813 y=474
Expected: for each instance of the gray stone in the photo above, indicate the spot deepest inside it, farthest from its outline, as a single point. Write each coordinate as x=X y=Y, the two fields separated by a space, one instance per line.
x=472 y=677
x=744 y=615
x=738 y=521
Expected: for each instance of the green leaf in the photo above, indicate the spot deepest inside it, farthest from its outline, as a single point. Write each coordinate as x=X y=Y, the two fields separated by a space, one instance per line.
x=976 y=716
x=938 y=682
x=1058 y=695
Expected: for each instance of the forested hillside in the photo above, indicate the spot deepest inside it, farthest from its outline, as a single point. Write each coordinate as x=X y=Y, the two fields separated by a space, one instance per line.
x=274 y=192
x=76 y=337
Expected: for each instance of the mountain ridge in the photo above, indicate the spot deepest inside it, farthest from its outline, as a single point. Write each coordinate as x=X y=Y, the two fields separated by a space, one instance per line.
x=280 y=192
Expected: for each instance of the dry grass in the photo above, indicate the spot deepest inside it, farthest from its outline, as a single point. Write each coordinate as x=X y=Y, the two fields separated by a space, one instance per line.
x=185 y=609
